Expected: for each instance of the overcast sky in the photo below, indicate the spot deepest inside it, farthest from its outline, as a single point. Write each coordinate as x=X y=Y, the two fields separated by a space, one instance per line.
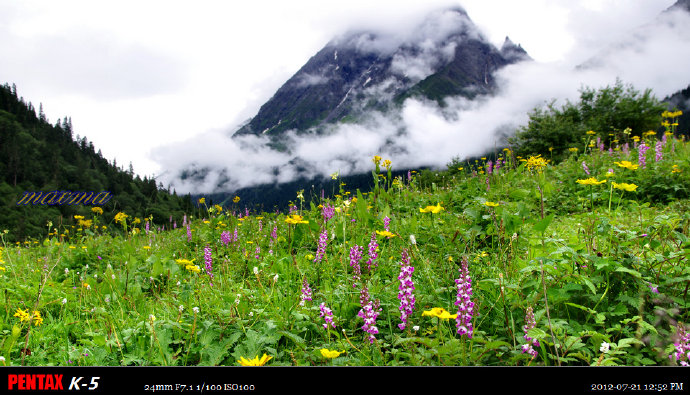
x=136 y=75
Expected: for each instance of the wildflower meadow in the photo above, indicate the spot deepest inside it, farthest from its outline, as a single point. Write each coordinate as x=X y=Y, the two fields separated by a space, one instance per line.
x=500 y=261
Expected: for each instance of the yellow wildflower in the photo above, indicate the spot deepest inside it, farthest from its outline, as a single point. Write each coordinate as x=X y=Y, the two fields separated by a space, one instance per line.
x=440 y=313
x=432 y=209
x=23 y=315
x=330 y=354
x=295 y=219
x=120 y=217
x=385 y=233
x=536 y=163
x=193 y=268
x=624 y=186
x=590 y=181
x=573 y=149
x=675 y=169
x=387 y=163
x=491 y=204
x=627 y=164
x=254 y=362
x=376 y=159
x=97 y=210
x=591 y=132
x=38 y=320
x=202 y=200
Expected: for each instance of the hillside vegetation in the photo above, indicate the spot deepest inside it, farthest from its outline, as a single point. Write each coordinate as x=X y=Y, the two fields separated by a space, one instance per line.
x=36 y=156
x=516 y=260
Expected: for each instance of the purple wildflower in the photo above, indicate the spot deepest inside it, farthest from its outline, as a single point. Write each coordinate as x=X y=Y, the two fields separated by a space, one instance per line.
x=682 y=354
x=530 y=323
x=386 y=224
x=257 y=253
x=175 y=224
x=464 y=302
x=373 y=245
x=409 y=176
x=306 y=292
x=626 y=148
x=261 y=226
x=184 y=220
x=405 y=294
x=235 y=236
x=274 y=233
x=327 y=315
x=659 y=147
x=369 y=312
x=292 y=209
x=327 y=212
x=189 y=232
x=642 y=160
x=355 y=257
x=225 y=237
x=321 y=248
x=147 y=227
x=585 y=168
x=498 y=164
x=489 y=167
x=209 y=261
x=653 y=288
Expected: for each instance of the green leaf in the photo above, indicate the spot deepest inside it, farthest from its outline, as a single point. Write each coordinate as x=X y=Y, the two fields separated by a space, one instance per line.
x=589 y=285
x=627 y=342
x=634 y=273
x=543 y=224
x=587 y=309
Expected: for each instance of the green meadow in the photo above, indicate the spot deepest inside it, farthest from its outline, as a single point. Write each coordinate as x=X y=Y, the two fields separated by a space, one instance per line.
x=505 y=260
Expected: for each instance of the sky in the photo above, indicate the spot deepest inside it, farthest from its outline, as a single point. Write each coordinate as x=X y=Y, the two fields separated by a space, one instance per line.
x=162 y=84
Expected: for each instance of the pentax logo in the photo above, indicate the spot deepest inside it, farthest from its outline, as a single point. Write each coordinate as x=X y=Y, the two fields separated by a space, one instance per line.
x=34 y=382
x=23 y=382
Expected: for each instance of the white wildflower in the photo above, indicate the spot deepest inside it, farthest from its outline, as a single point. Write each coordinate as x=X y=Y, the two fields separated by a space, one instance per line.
x=604 y=347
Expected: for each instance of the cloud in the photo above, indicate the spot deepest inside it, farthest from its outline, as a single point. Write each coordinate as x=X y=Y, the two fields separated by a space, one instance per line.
x=421 y=133
x=306 y=79
x=92 y=63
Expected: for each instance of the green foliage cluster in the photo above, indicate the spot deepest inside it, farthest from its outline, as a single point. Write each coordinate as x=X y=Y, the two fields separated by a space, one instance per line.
x=38 y=156
x=551 y=131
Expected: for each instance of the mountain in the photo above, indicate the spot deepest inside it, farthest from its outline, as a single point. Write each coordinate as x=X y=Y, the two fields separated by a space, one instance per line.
x=36 y=156
x=356 y=79
x=365 y=71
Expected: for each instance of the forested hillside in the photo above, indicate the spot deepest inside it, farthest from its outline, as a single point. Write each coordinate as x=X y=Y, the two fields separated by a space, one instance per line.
x=36 y=155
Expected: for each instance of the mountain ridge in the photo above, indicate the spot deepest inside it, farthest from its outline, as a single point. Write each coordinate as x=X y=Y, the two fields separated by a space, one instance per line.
x=364 y=70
